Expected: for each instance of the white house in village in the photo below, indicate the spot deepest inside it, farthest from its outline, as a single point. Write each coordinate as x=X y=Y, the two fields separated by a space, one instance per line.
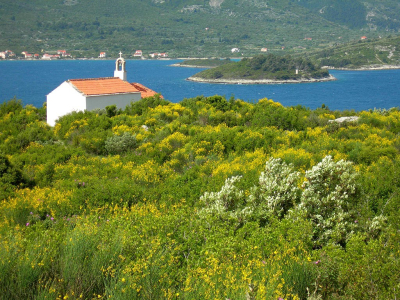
x=7 y=54
x=94 y=93
x=47 y=56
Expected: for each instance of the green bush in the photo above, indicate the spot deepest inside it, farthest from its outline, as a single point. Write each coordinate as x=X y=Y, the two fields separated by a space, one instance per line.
x=141 y=106
x=120 y=144
x=10 y=177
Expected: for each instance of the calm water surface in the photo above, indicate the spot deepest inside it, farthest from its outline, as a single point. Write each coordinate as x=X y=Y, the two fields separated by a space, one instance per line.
x=31 y=81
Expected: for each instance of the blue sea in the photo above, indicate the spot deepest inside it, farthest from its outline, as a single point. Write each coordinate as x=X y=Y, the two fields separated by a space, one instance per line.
x=31 y=81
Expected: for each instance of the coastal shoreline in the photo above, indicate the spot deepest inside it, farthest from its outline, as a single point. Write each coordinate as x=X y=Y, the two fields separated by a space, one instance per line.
x=191 y=66
x=366 y=68
x=260 y=81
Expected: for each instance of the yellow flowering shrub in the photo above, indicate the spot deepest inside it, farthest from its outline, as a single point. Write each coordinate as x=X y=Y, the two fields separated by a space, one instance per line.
x=76 y=126
x=202 y=148
x=166 y=112
x=250 y=161
x=327 y=116
x=151 y=173
x=248 y=275
x=146 y=148
x=173 y=141
x=266 y=101
x=300 y=158
x=120 y=129
x=38 y=200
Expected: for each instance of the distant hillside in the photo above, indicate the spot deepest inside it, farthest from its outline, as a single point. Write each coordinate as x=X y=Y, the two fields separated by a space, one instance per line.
x=378 y=53
x=357 y=13
x=191 y=27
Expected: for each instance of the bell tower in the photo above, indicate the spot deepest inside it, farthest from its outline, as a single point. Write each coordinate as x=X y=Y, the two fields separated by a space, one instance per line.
x=120 y=70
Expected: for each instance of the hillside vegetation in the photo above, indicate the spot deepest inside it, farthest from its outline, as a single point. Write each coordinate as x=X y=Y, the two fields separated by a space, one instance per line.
x=266 y=67
x=190 y=28
x=204 y=199
x=363 y=54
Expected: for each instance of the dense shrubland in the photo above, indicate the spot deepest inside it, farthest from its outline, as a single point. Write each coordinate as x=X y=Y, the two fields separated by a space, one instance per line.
x=204 y=199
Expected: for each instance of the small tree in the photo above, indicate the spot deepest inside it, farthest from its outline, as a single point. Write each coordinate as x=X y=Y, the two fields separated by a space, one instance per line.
x=229 y=202
x=10 y=177
x=329 y=196
x=275 y=194
x=277 y=191
x=111 y=111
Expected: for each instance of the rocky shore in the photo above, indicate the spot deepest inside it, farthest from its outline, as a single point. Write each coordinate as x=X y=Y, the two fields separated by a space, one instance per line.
x=366 y=68
x=260 y=81
x=191 y=66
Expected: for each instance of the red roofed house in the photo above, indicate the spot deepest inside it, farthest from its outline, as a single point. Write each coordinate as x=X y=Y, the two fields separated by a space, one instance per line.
x=138 y=53
x=63 y=53
x=94 y=93
x=26 y=54
x=364 y=37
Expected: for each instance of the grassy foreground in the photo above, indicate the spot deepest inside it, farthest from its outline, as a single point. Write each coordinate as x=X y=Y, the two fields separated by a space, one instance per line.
x=203 y=199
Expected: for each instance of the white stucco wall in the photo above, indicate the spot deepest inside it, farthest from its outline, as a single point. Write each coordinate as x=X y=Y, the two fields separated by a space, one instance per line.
x=63 y=100
x=120 y=100
x=66 y=99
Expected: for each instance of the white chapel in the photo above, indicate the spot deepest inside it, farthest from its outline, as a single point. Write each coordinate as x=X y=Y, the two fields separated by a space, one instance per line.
x=94 y=93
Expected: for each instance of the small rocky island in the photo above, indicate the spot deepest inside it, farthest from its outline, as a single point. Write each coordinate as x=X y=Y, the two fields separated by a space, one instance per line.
x=265 y=69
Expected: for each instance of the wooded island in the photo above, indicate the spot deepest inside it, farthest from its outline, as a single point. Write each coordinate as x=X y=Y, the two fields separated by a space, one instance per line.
x=265 y=69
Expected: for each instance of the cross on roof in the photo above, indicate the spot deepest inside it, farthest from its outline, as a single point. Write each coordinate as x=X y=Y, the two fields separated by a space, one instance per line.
x=120 y=54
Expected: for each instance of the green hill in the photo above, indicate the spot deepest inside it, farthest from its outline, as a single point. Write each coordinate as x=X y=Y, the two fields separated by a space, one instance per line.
x=369 y=53
x=192 y=27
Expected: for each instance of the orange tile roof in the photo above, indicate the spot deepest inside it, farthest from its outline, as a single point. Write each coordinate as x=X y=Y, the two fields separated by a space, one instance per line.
x=145 y=91
x=103 y=86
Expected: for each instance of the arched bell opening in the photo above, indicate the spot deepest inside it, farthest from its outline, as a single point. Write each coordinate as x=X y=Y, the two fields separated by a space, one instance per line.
x=120 y=70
